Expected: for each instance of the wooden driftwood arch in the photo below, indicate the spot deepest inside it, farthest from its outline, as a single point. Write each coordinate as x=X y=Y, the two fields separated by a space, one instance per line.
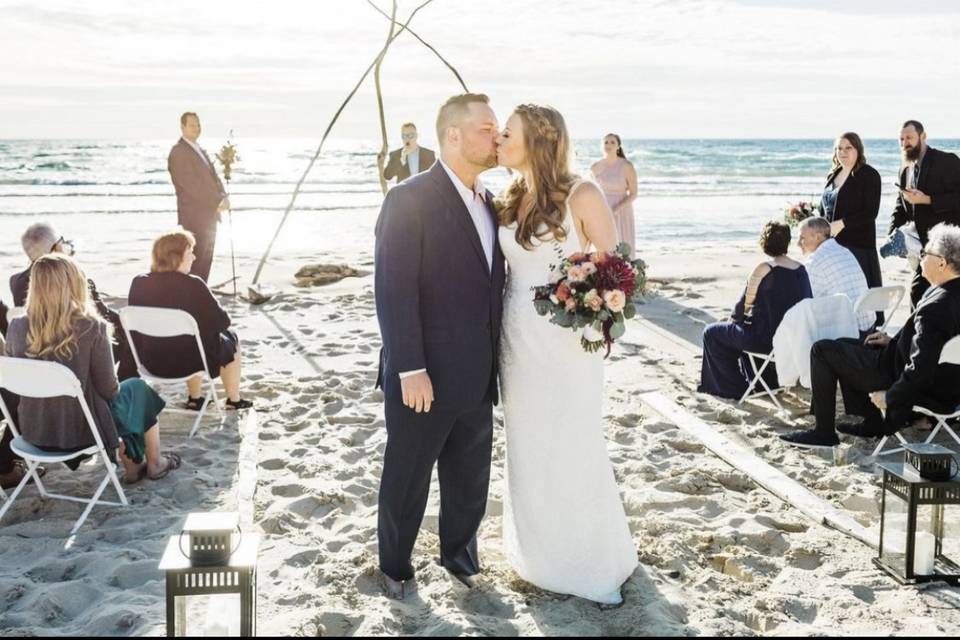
x=395 y=30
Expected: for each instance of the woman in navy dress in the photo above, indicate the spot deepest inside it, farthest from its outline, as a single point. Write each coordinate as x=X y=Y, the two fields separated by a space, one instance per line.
x=774 y=286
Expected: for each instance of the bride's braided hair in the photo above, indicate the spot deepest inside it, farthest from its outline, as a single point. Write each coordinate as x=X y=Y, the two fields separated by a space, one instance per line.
x=547 y=145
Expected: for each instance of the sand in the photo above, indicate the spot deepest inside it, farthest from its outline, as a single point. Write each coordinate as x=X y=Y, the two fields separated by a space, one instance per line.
x=718 y=555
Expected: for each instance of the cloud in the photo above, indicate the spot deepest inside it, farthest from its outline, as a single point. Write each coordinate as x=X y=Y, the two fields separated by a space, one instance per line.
x=700 y=68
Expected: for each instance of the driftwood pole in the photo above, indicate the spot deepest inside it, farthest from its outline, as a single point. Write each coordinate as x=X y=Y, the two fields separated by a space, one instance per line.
x=384 y=146
x=336 y=116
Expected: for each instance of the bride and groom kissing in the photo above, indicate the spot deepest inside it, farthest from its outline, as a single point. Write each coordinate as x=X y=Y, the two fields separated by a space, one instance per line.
x=453 y=282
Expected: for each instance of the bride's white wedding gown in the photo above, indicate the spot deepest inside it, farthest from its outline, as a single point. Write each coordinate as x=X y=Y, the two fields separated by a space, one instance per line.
x=564 y=527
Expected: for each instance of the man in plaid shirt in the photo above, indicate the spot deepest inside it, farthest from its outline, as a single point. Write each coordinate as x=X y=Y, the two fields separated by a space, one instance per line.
x=832 y=268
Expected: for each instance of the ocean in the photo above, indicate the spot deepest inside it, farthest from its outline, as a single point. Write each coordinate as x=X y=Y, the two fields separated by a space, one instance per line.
x=690 y=190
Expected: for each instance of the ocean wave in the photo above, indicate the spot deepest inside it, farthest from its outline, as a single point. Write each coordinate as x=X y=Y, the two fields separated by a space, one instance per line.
x=110 y=212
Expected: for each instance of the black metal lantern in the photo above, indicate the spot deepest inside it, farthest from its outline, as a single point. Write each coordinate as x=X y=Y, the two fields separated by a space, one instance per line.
x=919 y=526
x=211 y=559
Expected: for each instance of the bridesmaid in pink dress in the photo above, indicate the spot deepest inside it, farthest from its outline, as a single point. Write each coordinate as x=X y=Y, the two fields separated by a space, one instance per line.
x=618 y=179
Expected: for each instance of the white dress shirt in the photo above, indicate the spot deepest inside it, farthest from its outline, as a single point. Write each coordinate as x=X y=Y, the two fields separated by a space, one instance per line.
x=833 y=269
x=475 y=200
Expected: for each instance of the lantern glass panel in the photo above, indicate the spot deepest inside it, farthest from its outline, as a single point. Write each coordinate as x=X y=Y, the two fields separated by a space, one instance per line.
x=208 y=615
x=950 y=535
x=894 y=545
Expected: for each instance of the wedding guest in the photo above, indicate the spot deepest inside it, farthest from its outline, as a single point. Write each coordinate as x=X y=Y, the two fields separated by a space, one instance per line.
x=618 y=179
x=851 y=202
x=42 y=238
x=410 y=159
x=63 y=326
x=773 y=287
x=832 y=268
x=201 y=197
x=171 y=285
x=892 y=374
x=3 y=319
x=929 y=191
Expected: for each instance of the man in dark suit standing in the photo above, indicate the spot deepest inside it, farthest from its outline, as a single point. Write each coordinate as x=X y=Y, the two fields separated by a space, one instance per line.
x=439 y=279
x=929 y=191
x=200 y=194
x=410 y=159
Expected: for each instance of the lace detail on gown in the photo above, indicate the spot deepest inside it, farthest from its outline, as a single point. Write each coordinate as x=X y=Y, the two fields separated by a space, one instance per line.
x=564 y=527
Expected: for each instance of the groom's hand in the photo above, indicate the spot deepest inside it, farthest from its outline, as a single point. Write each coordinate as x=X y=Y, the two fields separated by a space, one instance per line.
x=417 y=392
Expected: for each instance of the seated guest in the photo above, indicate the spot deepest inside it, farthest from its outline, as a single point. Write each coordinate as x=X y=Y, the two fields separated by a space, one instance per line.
x=774 y=286
x=3 y=319
x=170 y=285
x=62 y=326
x=831 y=268
x=892 y=374
x=40 y=239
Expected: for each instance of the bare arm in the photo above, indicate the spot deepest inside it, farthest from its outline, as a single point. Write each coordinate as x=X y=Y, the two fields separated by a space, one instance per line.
x=593 y=218
x=753 y=285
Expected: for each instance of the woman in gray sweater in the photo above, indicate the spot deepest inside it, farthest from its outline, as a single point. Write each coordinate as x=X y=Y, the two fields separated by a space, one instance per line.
x=62 y=326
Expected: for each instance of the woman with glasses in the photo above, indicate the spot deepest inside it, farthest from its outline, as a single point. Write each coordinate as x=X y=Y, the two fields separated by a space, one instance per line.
x=618 y=179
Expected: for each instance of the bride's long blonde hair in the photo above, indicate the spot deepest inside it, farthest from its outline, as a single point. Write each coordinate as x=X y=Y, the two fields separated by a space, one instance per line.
x=57 y=298
x=547 y=144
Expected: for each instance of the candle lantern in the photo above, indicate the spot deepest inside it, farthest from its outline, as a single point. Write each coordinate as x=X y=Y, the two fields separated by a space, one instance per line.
x=920 y=518
x=211 y=574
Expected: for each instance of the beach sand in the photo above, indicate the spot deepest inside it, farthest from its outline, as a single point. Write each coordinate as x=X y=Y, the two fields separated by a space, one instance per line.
x=718 y=554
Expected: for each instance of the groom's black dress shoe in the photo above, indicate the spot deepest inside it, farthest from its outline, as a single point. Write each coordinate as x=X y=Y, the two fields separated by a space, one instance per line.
x=395 y=589
x=470 y=582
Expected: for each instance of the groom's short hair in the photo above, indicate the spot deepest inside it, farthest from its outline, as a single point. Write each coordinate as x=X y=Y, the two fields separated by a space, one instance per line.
x=454 y=109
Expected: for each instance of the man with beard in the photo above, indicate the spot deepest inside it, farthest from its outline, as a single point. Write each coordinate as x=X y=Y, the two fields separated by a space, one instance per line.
x=929 y=191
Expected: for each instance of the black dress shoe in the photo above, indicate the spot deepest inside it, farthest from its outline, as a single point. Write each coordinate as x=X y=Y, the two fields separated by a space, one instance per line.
x=395 y=589
x=469 y=581
x=811 y=439
x=859 y=429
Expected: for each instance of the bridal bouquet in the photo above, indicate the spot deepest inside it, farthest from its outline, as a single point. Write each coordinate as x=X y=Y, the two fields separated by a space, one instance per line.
x=797 y=213
x=593 y=293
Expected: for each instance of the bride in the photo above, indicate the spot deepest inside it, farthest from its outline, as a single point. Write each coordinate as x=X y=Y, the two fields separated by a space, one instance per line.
x=564 y=527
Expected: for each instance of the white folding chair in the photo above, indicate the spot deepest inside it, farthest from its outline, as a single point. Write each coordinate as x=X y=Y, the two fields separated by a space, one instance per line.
x=39 y=379
x=950 y=354
x=755 y=359
x=879 y=299
x=157 y=322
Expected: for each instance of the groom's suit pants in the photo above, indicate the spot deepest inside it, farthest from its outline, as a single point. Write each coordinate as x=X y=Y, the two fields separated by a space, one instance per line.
x=459 y=441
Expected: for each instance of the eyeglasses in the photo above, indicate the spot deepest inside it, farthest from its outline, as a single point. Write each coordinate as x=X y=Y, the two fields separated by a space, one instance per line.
x=924 y=253
x=66 y=246
x=408 y=136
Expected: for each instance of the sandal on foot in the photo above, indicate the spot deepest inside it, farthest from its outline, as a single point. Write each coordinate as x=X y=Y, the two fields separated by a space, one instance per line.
x=141 y=474
x=173 y=462
x=239 y=404
x=195 y=404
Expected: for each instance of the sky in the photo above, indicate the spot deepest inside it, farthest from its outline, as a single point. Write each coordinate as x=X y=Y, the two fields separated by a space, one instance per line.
x=643 y=68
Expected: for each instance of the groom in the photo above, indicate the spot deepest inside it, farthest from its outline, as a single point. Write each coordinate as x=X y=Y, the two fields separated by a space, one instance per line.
x=439 y=279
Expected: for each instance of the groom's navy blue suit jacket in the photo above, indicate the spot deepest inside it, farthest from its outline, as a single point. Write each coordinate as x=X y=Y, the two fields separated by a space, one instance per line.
x=438 y=303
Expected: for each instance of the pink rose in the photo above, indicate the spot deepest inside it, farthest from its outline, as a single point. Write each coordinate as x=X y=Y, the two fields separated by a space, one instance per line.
x=615 y=300
x=588 y=269
x=571 y=304
x=575 y=274
x=593 y=300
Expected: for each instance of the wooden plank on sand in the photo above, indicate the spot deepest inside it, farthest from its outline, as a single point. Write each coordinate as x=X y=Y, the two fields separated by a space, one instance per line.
x=247 y=466
x=771 y=479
